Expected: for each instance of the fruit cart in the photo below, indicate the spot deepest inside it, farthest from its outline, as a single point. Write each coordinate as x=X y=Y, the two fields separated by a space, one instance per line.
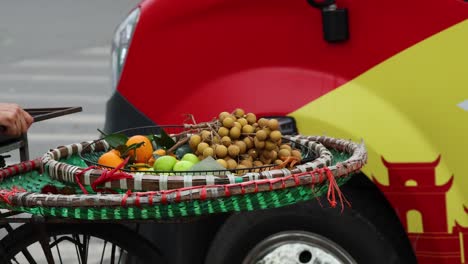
x=72 y=196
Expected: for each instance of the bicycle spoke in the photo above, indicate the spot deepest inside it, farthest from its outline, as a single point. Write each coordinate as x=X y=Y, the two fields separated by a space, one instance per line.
x=25 y=252
x=120 y=255
x=28 y=257
x=113 y=254
x=58 y=251
x=103 y=251
x=45 y=244
x=81 y=248
x=24 y=245
x=85 y=248
x=77 y=243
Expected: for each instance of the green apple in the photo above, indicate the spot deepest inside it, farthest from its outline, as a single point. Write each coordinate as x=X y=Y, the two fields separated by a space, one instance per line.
x=164 y=163
x=183 y=165
x=191 y=157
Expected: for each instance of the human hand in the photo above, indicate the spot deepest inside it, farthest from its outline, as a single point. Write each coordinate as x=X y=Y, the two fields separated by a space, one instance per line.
x=14 y=120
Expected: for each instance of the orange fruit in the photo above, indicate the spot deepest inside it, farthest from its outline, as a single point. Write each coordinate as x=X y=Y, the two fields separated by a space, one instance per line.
x=151 y=161
x=160 y=152
x=144 y=152
x=110 y=159
x=115 y=151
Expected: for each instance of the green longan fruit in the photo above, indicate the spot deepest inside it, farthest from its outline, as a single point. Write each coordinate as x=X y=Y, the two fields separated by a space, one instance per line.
x=221 y=151
x=241 y=168
x=296 y=153
x=242 y=146
x=286 y=146
x=239 y=112
x=251 y=118
x=253 y=153
x=223 y=115
x=248 y=129
x=237 y=124
x=206 y=135
x=233 y=151
x=278 y=162
x=247 y=157
x=202 y=146
x=194 y=141
x=231 y=164
x=257 y=163
x=226 y=141
x=265 y=161
x=261 y=135
x=259 y=144
x=208 y=152
x=274 y=154
x=247 y=163
x=242 y=121
x=249 y=142
x=216 y=140
x=284 y=153
x=278 y=143
x=273 y=124
x=275 y=136
x=234 y=133
x=223 y=131
x=262 y=122
x=270 y=154
x=270 y=145
x=228 y=122
x=222 y=163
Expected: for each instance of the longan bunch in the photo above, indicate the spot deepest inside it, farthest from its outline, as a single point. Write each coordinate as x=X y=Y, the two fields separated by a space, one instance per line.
x=240 y=141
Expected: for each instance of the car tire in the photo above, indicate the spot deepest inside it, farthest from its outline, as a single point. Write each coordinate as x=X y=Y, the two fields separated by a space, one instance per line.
x=350 y=230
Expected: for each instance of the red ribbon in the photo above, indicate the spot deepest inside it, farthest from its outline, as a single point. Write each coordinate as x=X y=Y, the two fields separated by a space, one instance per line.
x=5 y=194
x=79 y=174
x=113 y=175
x=124 y=198
x=332 y=188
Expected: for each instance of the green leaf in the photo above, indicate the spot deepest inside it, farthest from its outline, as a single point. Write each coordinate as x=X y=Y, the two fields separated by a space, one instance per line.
x=132 y=146
x=121 y=148
x=164 y=140
x=116 y=140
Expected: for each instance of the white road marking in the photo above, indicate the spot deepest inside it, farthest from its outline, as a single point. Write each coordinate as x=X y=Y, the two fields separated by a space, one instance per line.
x=12 y=97
x=78 y=119
x=54 y=137
x=96 y=79
x=464 y=105
x=97 y=51
x=60 y=64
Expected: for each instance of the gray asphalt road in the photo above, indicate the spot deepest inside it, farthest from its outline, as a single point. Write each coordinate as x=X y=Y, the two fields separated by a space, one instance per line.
x=55 y=53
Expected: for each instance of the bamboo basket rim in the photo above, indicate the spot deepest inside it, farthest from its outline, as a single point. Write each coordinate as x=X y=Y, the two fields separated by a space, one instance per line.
x=293 y=178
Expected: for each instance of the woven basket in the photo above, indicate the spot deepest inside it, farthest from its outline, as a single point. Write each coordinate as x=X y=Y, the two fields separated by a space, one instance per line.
x=149 y=196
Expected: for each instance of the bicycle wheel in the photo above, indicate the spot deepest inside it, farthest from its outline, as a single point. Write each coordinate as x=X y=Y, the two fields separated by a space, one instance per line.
x=77 y=243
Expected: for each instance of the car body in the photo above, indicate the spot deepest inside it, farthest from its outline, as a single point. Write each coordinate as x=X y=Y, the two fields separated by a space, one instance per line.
x=398 y=83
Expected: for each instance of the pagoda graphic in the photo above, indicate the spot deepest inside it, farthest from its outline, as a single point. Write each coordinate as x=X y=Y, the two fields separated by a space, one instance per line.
x=414 y=195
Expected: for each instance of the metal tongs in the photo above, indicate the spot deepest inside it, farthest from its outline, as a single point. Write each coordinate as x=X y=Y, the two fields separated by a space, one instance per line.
x=38 y=114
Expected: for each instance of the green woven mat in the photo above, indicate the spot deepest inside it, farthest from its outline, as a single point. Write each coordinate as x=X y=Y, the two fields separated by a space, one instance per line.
x=33 y=182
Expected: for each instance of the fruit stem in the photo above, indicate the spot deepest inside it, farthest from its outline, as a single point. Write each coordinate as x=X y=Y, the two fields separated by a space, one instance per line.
x=178 y=144
x=102 y=132
x=202 y=125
